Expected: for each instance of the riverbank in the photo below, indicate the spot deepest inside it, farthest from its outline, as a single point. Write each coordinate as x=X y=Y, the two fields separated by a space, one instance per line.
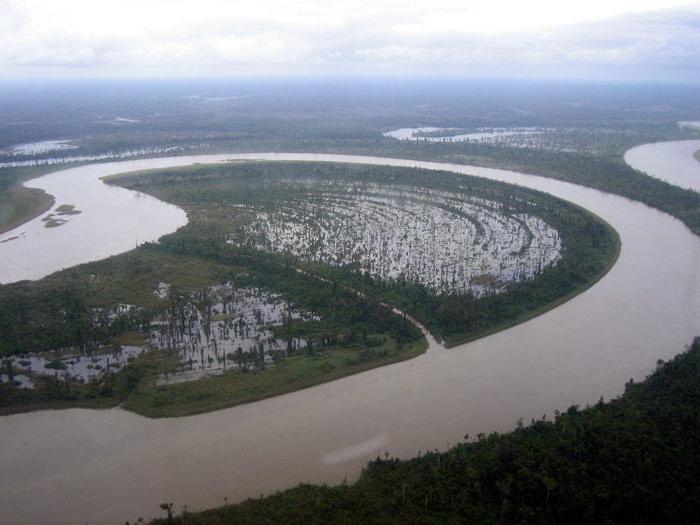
x=673 y=163
x=351 y=334
x=232 y=388
x=571 y=355
x=609 y=175
x=614 y=256
x=19 y=205
x=229 y=389
x=591 y=244
x=632 y=459
x=591 y=248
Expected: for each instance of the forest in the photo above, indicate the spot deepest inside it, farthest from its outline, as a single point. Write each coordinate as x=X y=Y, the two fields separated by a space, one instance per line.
x=588 y=127
x=266 y=290
x=219 y=199
x=55 y=319
x=633 y=459
x=212 y=303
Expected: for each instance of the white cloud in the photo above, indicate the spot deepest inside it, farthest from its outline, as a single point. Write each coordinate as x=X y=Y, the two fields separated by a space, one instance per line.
x=349 y=37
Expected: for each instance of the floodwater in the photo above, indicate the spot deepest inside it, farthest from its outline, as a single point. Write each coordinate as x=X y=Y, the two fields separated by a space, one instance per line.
x=671 y=161
x=77 y=466
x=485 y=135
x=36 y=148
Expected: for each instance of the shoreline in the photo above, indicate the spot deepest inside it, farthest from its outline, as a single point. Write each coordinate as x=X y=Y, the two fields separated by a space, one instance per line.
x=551 y=362
x=46 y=203
x=136 y=405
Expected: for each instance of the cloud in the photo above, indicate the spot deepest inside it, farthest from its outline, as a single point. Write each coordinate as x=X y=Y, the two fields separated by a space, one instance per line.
x=351 y=37
x=56 y=56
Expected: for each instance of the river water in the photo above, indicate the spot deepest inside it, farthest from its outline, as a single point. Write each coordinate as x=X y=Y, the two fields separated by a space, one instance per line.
x=670 y=161
x=77 y=466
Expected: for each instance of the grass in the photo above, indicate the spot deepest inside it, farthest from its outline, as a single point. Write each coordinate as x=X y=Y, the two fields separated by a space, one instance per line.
x=67 y=209
x=224 y=391
x=54 y=223
x=235 y=388
x=133 y=276
x=96 y=403
x=130 y=339
x=19 y=205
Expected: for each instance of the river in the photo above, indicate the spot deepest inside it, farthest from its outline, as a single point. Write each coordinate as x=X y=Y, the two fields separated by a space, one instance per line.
x=107 y=466
x=669 y=161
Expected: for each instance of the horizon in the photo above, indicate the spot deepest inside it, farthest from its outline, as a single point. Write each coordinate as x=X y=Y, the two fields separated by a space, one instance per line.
x=651 y=41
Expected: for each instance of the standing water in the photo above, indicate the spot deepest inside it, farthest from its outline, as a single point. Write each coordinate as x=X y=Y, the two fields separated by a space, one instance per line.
x=108 y=466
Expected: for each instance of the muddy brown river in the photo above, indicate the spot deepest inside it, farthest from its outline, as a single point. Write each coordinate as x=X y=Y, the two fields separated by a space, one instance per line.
x=108 y=466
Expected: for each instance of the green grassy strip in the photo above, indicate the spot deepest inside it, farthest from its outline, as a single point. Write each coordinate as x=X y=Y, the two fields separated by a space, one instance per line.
x=291 y=374
x=19 y=205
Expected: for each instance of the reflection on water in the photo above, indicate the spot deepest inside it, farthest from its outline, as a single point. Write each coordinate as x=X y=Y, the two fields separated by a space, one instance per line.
x=226 y=328
x=38 y=148
x=76 y=366
x=220 y=328
x=431 y=134
x=45 y=146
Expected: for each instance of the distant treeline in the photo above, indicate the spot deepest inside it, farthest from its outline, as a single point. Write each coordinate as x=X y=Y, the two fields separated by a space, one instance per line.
x=635 y=459
x=606 y=173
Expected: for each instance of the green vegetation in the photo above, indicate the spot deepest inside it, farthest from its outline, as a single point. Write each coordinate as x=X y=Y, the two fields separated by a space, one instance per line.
x=605 y=174
x=635 y=459
x=697 y=155
x=56 y=313
x=632 y=460
x=53 y=223
x=66 y=209
x=587 y=127
x=111 y=390
x=19 y=204
x=292 y=373
x=216 y=196
x=55 y=219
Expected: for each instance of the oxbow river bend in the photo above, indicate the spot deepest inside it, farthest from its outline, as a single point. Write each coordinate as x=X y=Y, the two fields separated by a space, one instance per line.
x=108 y=466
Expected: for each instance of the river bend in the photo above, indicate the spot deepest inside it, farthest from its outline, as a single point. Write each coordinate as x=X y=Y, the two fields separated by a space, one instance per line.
x=107 y=466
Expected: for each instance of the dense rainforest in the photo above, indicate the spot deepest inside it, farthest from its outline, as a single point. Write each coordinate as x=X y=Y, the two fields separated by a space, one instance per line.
x=634 y=459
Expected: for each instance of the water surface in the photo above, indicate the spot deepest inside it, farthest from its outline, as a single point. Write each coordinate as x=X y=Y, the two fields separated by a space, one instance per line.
x=670 y=161
x=107 y=466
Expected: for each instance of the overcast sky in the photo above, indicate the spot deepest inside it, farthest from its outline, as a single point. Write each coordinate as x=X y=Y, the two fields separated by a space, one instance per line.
x=615 y=39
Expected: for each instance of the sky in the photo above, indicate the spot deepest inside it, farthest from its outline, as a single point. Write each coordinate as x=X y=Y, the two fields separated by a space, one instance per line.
x=633 y=40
